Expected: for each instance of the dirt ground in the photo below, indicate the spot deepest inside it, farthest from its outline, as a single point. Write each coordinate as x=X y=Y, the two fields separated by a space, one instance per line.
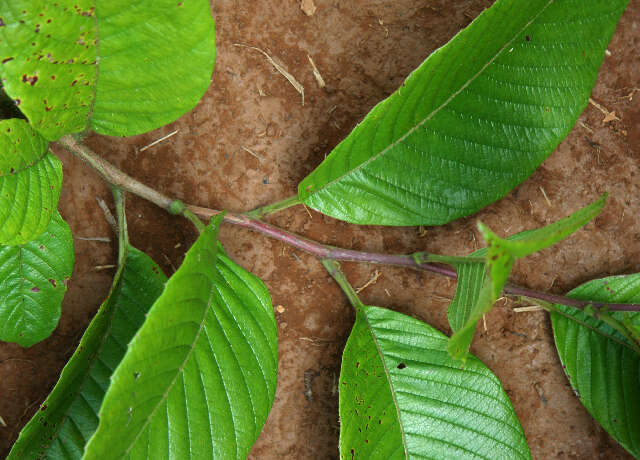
x=363 y=49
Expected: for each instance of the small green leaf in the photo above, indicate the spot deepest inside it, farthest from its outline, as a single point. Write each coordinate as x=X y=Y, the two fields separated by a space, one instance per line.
x=471 y=277
x=602 y=366
x=402 y=396
x=501 y=254
x=69 y=415
x=473 y=121
x=33 y=280
x=105 y=64
x=30 y=182
x=198 y=379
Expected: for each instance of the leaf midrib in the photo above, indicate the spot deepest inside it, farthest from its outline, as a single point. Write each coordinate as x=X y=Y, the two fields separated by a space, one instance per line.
x=179 y=372
x=27 y=166
x=97 y=65
x=436 y=110
x=389 y=382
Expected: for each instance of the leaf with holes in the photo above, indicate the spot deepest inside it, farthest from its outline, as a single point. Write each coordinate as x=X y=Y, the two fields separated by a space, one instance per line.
x=33 y=280
x=402 y=396
x=30 y=182
x=69 y=415
x=473 y=121
x=501 y=254
x=601 y=364
x=106 y=64
x=199 y=377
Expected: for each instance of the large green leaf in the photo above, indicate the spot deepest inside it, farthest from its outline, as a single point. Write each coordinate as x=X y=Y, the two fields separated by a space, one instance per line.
x=473 y=121
x=402 y=396
x=500 y=257
x=199 y=377
x=105 y=64
x=30 y=182
x=601 y=364
x=33 y=280
x=69 y=415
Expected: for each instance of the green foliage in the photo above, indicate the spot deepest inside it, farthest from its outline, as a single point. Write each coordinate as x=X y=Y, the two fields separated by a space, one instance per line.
x=186 y=368
x=501 y=254
x=402 y=396
x=69 y=415
x=199 y=377
x=81 y=71
x=33 y=280
x=601 y=364
x=30 y=182
x=473 y=121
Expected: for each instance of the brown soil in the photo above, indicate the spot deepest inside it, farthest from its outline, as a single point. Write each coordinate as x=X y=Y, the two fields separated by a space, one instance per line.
x=363 y=49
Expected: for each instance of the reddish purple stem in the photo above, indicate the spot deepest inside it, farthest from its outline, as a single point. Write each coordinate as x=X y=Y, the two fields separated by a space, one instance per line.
x=324 y=251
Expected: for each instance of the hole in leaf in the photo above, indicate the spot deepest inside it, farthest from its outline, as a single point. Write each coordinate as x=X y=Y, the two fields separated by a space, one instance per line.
x=401 y=366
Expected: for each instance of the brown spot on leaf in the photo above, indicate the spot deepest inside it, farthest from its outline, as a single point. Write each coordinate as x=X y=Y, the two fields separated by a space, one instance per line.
x=30 y=79
x=53 y=283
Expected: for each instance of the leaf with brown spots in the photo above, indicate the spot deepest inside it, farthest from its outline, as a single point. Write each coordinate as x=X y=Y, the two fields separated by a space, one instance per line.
x=53 y=432
x=402 y=396
x=30 y=182
x=32 y=284
x=51 y=62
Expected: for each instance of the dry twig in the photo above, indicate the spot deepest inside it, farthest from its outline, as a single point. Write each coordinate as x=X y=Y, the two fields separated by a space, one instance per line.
x=299 y=88
x=372 y=280
x=156 y=142
x=316 y=73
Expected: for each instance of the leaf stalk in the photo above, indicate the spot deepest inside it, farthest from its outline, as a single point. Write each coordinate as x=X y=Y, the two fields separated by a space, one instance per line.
x=334 y=270
x=121 y=220
x=258 y=213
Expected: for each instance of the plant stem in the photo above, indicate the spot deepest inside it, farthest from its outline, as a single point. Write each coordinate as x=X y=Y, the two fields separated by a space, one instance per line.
x=323 y=251
x=113 y=175
x=422 y=257
x=333 y=268
x=601 y=316
x=194 y=219
x=275 y=207
x=121 y=219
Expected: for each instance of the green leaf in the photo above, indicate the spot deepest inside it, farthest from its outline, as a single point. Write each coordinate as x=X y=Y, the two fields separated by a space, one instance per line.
x=402 y=396
x=69 y=415
x=33 y=280
x=501 y=254
x=105 y=64
x=199 y=377
x=473 y=121
x=30 y=182
x=471 y=277
x=600 y=363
